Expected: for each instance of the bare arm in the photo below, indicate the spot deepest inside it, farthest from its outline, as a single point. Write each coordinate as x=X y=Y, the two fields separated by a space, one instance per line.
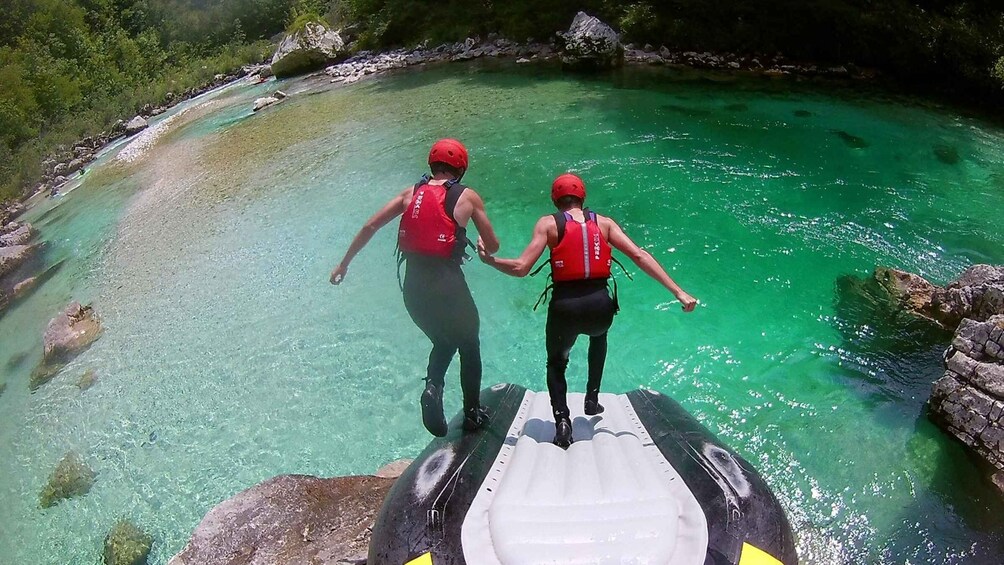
x=486 y=233
x=620 y=241
x=521 y=266
x=391 y=210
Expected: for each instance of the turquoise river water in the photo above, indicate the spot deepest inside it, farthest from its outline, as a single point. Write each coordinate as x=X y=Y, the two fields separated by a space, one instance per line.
x=227 y=358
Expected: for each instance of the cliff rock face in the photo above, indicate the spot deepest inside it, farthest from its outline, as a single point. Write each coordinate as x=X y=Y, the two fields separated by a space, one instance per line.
x=977 y=294
x=290 y=519
x=968 y=401
x=309 y=49
x=590 y=43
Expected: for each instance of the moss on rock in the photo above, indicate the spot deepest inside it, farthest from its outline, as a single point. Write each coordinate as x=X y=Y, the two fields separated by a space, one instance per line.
x=72 y=477
x=127 y=544
x=87 y=380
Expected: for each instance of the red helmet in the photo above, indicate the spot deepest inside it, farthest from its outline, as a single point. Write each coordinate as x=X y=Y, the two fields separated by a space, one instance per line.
x=568 y=185
x=449 y=151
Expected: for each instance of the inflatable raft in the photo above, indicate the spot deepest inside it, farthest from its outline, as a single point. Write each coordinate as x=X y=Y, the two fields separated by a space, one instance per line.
x=643 y=483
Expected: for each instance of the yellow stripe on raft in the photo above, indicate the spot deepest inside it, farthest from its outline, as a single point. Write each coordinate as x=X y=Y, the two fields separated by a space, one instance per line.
x=751 y=555
x=427 y=559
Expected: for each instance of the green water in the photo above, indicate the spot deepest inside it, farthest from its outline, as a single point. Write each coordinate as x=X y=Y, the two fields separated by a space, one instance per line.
x=227 y=358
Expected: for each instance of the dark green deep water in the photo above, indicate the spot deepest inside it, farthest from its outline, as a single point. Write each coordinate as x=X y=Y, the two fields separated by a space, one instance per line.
x=227 y=358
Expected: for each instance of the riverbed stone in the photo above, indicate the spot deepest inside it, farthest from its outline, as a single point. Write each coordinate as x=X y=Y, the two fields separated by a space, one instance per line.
x=72 y=477
x=394 y=469
x=290 y=519
x=70 y=332
x=264 y=102
x=127 y=544
x=87 y=379
x=306 y=50
x=12 y=257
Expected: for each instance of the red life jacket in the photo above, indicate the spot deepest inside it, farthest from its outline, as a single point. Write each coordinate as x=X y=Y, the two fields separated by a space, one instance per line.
x=428 y=227
x=582 y=252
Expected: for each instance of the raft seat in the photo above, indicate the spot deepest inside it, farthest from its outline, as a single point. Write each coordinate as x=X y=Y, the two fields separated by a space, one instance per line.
x=610 y=496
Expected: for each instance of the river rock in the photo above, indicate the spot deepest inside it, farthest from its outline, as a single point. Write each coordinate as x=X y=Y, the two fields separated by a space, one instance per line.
x=977 y=294
x=311 y=48
x=136 y=125
x=394 y=469
x=968 y=401
x=87 y=380
x=12 y=257
x=72 y=477
x=590 y=43
x=265 y=102
x=19 y=236
x=127 y=544
x=70 y=332
x=290 y=519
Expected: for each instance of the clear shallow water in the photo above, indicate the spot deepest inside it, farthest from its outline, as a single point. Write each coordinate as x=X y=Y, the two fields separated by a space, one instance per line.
x=228 y=359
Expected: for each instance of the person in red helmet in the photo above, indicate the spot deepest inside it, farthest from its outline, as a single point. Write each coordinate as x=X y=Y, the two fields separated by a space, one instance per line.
x=432 y=238
x=580 y=241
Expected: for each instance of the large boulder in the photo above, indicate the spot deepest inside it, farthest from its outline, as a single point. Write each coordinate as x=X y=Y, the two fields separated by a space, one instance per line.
x=968 y=401
x=313 y=47
x=72 y=477
x=977 y=294
x=136 y=125
x=590 y=43
x=19 y=236
x=290 y=519
x=12 y=257
x=70 y=332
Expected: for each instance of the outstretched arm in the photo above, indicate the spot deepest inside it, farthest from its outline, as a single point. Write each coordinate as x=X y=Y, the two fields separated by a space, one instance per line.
x=521 y=266
x=391 y=210
x=620 y=241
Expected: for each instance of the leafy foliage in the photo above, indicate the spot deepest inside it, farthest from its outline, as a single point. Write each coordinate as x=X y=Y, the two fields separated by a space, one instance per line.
x=70 y=68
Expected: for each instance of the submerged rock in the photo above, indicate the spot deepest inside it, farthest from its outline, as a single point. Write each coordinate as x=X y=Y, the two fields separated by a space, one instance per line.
x=70 y=332
x=72 y=477
x=260 y=103
x=87 y=380
x=290 y=519
x=311 y=48
x=968 y=401
x=127 y=544
x=591 y=43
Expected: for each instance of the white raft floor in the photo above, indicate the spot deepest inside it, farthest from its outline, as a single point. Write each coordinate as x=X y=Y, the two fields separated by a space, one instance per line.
x=610 y=498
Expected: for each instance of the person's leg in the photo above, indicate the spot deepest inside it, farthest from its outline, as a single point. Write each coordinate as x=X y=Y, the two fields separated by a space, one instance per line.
x=598 y=314
x=597 y=359
x=424 y=304
x=558 y=341
x=432 y=397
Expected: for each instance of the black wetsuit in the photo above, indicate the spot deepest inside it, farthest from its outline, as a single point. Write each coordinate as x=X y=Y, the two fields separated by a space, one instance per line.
x=440 y=303
x=576 y=308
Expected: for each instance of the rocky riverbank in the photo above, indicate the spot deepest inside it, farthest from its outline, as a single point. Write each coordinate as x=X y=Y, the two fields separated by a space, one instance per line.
x=968 y=400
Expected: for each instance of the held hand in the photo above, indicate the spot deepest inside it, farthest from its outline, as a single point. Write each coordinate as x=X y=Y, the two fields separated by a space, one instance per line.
x=338 y=274
x=483 y=252
x=688 y=301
